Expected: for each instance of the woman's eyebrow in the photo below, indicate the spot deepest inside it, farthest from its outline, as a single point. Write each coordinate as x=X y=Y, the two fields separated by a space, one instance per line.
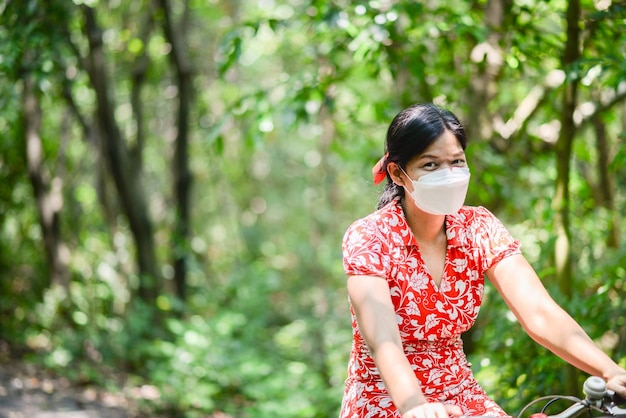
x=436 y=157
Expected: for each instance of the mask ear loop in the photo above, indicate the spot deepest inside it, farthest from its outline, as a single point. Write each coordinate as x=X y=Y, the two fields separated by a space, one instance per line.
x=405 y=173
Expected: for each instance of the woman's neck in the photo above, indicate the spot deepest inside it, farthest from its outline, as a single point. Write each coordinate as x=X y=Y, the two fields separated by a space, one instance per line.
x=427 y=228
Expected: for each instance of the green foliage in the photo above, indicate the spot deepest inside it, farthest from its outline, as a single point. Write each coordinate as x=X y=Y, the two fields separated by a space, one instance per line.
x=292 y=100
x=239 y=364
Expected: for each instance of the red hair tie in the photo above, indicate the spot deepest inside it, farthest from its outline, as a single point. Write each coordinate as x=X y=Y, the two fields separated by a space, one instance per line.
x=379 y=172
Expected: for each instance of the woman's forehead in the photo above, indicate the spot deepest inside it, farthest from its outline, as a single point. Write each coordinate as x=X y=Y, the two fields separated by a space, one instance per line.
x=447 y=145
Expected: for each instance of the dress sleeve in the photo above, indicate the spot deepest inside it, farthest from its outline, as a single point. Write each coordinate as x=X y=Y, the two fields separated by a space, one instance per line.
x=363 y=250
x=493 y=239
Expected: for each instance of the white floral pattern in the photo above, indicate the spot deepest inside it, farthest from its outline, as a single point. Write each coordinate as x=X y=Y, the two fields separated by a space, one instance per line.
x=430 y=318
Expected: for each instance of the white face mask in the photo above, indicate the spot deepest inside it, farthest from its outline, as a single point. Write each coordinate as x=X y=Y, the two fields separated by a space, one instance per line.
x=441 y=192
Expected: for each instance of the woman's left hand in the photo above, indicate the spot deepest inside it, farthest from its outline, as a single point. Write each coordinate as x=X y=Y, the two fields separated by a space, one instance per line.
x=618 y=384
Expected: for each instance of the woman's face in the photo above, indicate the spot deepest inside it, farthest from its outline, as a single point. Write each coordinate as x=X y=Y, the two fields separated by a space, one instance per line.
x=445 y=152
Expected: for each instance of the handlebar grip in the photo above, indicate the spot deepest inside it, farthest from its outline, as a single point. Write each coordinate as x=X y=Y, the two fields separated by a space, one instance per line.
x=618 y=404
x=618 y=400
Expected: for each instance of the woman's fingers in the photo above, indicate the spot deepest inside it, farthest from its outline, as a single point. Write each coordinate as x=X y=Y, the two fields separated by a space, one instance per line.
x=433 y=410
x=454 y=410
x=618 y=385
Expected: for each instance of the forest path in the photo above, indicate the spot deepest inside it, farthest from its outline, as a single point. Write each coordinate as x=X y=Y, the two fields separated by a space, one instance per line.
x=28 y=393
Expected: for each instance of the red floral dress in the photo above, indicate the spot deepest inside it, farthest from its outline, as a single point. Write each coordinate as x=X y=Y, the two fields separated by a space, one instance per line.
x=430 y=318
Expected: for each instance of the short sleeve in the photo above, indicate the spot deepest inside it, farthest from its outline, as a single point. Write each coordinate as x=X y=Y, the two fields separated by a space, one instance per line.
x=363 y=250
x=493 y=240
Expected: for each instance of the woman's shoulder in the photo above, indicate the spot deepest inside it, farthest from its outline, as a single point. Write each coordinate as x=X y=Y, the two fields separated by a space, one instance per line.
x=473 y=223
x=470 y=222
x=390 y=213
x=387 y=217
x=479 y=229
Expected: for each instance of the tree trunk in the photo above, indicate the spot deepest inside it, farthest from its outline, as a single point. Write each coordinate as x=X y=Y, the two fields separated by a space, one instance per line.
x=48 y=191
x=326 y=177
x=488 y=57
x=182 y=175
x=125 y=171
x=606 y=186
x=563 y=255
x=564 y=151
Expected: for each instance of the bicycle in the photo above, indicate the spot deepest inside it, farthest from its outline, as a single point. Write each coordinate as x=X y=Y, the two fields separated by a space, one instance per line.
x=598 y=401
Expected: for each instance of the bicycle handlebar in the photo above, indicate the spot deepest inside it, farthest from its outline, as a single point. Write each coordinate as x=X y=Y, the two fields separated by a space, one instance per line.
x=597 y=399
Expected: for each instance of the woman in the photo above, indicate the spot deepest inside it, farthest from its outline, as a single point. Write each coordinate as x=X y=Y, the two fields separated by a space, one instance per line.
x=415 y=272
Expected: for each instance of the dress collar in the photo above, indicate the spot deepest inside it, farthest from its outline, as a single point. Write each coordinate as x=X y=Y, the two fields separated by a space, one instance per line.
x=452 y=223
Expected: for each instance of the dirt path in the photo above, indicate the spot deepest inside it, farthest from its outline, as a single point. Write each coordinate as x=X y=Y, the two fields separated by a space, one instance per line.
x=26 y=393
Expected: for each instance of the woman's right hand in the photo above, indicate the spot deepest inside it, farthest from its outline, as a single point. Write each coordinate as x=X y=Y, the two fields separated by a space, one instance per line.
x=433 y=410
x=618 y=384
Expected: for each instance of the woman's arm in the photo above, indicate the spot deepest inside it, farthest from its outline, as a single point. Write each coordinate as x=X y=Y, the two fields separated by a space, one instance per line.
x=376 y=318
x=548 y=324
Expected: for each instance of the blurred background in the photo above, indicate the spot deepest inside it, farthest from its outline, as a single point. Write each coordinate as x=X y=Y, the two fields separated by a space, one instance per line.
x=177 y=175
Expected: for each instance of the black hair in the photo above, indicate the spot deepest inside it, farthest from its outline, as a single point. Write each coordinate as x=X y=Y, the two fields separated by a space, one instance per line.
x=412 y=131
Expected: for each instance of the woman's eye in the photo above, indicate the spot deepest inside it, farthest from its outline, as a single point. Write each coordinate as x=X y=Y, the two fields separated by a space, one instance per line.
x=458 y=162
